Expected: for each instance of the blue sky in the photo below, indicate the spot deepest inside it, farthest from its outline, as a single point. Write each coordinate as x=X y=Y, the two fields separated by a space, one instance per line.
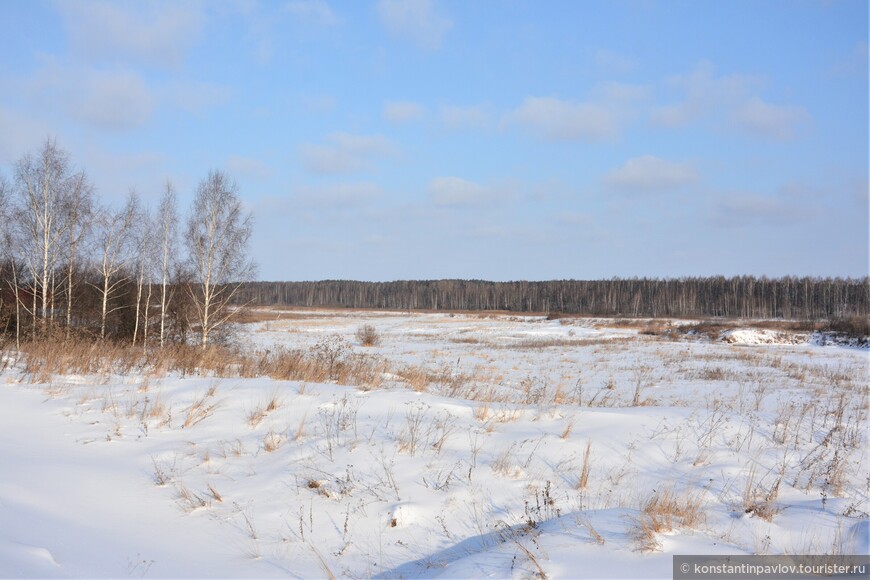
x=389 y=139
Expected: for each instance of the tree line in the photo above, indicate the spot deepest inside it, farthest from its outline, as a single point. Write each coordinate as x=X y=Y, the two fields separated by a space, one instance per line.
x=804 y=298
x=72 y=265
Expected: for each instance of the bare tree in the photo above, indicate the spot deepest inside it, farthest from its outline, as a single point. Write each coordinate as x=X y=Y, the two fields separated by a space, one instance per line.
x=9 y=252
x=112 y=236
x=217 y=237
x=5 y=225
x=77 y=212
x=5 y=237
x=168 y=223
x=42 y=182
x=144 y=258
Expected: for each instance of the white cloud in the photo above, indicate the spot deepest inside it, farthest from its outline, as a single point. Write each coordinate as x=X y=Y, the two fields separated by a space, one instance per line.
x=649 y=173
x=561 y=120
x=195 y=97
x=20 y=134
x=329 y=160
x=677 y=115
x=573 y=218
x=620 y=92
x=770 y=121
x=320 y=205
x=249 y=166
x=116 y=100
x=345 y=153
x=368 y=145
x=704 y=93
x=414 y=20
x=612 y=62
x=338 y=195
x=860 y=191
x=314 y=11
x=729 y=101
x=855 y=63
x=115 y=173
x=458 y=192
x=320 y=104
x=112 y=98
x=744 y=210
x=402 y=111
x=459 y=117
x=154 y=32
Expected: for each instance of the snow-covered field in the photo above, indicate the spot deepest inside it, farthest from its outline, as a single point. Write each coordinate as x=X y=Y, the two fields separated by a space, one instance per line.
x=488 y=446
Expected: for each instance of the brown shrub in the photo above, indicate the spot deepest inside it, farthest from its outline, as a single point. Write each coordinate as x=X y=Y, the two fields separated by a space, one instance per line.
x=368 y=335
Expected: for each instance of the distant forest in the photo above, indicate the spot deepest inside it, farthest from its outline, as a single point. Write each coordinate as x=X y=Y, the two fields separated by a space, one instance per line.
x=737 y=297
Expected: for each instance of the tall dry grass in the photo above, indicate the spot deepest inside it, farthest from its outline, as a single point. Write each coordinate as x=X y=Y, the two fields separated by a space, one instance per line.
x=665 y=510
x=40 y=361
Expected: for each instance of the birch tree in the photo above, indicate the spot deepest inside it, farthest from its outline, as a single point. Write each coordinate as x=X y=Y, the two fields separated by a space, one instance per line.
x=143 y=254
x=41 y=182
x=5 y=237
x=113 y=244
x=217 y=235
x=11 y=249
x=77 y=212
x=168 y=223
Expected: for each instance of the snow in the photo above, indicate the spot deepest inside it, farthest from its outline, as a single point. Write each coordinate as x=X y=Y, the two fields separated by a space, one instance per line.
x=762 y=336
x=391 y=482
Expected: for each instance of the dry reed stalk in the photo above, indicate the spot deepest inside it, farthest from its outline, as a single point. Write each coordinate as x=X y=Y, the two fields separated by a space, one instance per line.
x=569 y=426
x=583 y=481
x=201 y=409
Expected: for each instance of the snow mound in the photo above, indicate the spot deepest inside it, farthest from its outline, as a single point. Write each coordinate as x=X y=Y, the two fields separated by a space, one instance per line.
x=18 y=557
x=762 y=336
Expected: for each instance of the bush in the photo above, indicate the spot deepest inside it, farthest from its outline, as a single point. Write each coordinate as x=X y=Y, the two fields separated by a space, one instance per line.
x=852 y=326
x=368 y=335
x=331 y=352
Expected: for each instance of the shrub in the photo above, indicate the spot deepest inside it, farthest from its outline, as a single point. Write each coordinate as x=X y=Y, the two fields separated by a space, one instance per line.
x=331 y=352
x=368 y=335
x=852 y=326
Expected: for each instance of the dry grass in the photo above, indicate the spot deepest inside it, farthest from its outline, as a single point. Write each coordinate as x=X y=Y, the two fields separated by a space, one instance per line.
x=272 y=441
x=560 y=397
x=516 y=535
x=504 y=463
x=668 y=510
x=202 y=408
x=665 y=510
x=584 y=522
x=539 y=343
x=758 y=500
x=446 y=380
x=583 y=480
x=489 y=415
x=156 y=409
x=43 y=360
x=300 y=429
x=250 y=315
x=190 y=500
x=323 y=565
x=273 y=403
x=644 y=534
x=161 y=477
x=482 y=412
x=214 y=494
x=256 y=417
x=467 y=340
